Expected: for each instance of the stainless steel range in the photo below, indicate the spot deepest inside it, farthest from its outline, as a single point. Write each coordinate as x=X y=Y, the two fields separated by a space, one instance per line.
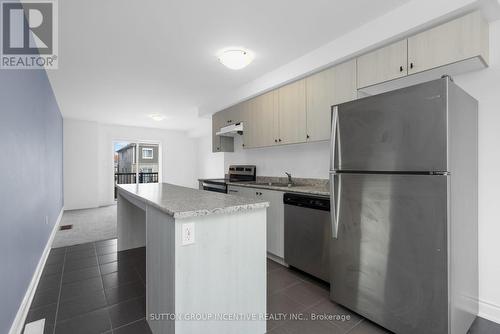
x=236 y=173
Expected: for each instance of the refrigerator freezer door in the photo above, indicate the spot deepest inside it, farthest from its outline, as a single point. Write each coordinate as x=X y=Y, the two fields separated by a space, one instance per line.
x=403 y=130
x=389 y=262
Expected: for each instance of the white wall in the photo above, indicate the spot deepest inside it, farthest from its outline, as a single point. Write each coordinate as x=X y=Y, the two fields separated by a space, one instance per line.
x=88 y=159
x=485 y=87
x=311 y=160
x=80 y=164
x=210 y=165
x=302 y=160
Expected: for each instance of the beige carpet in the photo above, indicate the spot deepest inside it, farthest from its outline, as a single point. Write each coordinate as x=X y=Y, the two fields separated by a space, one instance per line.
x=88 y=225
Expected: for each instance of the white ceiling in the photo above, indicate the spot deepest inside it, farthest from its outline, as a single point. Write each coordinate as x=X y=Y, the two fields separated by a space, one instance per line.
x=120 y=61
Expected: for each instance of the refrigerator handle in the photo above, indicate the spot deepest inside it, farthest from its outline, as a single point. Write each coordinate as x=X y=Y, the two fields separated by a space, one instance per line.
x=333 y=136
x=334 y=212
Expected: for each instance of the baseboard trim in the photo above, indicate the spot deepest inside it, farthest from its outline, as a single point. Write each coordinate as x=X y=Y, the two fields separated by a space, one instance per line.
x=277 y=259
x=22 y=312
x=489 y=311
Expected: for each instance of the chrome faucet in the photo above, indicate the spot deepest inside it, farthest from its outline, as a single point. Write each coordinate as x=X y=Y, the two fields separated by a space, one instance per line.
x=290 y=182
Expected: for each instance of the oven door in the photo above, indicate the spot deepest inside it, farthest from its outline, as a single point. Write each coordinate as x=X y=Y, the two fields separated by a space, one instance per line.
x=215 y=186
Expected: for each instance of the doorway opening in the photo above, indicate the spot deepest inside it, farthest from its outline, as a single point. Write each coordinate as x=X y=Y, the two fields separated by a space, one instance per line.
x=135 y=162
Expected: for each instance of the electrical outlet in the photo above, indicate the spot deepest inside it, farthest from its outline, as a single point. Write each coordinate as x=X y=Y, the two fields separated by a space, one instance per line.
x=187 y=234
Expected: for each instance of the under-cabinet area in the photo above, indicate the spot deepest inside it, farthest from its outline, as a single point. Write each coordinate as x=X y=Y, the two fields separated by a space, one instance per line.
x=300 y=111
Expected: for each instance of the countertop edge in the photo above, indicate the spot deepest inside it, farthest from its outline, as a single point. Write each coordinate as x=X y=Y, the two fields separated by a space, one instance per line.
x=199 y=212
x=226 y=210
x=282 y=189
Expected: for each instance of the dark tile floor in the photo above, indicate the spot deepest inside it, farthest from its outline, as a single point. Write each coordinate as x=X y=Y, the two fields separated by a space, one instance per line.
x=91 y=288
x=292 y=291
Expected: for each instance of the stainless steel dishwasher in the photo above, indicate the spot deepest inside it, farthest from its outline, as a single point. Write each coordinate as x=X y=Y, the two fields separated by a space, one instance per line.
x=308 y=233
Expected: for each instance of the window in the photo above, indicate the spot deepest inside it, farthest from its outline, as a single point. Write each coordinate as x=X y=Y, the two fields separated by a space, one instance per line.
x=147 y=153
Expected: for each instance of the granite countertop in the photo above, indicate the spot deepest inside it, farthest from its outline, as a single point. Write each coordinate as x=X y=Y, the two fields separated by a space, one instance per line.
x=311 y=189
x=183 y=202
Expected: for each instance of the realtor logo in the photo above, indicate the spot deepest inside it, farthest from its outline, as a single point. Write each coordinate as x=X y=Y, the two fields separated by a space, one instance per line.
x=29 y=34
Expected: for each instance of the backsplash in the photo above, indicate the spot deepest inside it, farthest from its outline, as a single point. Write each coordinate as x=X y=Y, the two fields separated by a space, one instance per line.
x=296 y=181
x=309 y=160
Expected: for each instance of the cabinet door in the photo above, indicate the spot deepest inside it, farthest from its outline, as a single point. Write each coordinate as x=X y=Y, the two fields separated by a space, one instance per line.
x=217 y=122
x=324 y=89
x=292 y=113
x=242 y=191
x=259 y=131
x=275 y=221
x=231 y=115
x=457 y=40
x=220 y=144
x=383 y=64
x=275 y=215
x=241 y=114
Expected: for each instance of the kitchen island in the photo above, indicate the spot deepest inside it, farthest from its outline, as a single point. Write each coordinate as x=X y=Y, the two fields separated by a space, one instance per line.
x=205 y=257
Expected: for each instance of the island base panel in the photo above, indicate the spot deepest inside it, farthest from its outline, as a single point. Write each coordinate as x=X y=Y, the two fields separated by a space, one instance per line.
x=131 y=223
x=223 y=272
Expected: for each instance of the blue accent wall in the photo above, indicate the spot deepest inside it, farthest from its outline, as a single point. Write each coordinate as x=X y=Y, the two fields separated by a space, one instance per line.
x=31 y=180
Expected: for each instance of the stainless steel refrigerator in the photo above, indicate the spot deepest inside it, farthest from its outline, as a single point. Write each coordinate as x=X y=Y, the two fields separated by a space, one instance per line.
x=403 y=180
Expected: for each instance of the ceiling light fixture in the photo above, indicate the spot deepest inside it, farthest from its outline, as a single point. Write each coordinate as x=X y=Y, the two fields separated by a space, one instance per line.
x=235 y=58
x=157 y=117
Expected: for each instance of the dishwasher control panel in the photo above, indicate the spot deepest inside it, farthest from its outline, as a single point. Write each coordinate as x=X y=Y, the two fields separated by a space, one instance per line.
x=313 y=202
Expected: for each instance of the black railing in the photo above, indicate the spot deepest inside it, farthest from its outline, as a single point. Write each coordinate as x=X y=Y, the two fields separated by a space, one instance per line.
x=148 y=177
x=127 y=178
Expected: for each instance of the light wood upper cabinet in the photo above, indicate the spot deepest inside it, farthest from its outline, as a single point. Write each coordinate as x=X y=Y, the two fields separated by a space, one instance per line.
x=260 y=129
x=384 y=64
x=292 y=113
x=457 y=40
x=220 y=144
x=242 y=115
x=324 y=89
x=215 y=139
x=233 y=114
x=300 y=111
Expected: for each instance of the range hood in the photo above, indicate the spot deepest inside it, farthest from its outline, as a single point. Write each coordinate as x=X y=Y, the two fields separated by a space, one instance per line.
x=231 y=130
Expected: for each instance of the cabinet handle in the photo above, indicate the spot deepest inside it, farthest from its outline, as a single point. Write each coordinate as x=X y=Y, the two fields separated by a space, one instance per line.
x=276 y=140
x=307 y=136
x=233 y=191
x=411 y=65
x=400 y=68
x=218 y=148
x=279 y=140
x=243 y=145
